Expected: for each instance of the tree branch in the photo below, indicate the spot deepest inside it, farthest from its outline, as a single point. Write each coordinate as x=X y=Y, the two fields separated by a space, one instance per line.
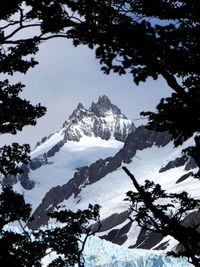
x=172 y=82
x=8 y=25
x=35 y=37
x=20 y=28
x=135 y=183
x=21 y=17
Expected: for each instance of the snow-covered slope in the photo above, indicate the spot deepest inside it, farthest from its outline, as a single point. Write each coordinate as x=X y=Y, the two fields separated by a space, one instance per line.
x=59 y=168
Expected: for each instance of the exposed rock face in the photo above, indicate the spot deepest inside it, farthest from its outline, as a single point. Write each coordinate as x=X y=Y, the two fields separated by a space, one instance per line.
x=184 y=177
x=114 y=220
x=54 y=149
x=175 y=163
x=103 y=106
x=23 y=178
x=191 y=164
x=147 y=239
x=103 y=119
x=141 y=139
x=26 y=183
x=38 y=162
x=118 y=236
x=9 y=180
x=192 y=220
x=42 y=141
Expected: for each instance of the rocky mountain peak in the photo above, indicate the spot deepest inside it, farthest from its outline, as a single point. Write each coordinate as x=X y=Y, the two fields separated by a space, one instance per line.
x=77 y=115
x=102 y=119
x=104 y=100
x=80 y=106
x=103 y=107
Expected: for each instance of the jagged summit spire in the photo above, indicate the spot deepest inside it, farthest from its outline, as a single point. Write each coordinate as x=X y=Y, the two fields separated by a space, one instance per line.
x=103 y=106
x=104 y=100
x=103 y=120
x=80 y=106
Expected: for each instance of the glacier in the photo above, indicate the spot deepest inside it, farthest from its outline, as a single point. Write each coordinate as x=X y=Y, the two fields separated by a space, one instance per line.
x=101 y=253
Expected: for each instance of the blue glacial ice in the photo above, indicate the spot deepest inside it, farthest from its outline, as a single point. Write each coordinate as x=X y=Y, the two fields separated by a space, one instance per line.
x=102 y=253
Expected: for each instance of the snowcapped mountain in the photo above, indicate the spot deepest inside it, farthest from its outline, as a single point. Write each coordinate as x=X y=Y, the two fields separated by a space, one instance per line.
x=82 y=164
x=102 y=119
x=87 y=136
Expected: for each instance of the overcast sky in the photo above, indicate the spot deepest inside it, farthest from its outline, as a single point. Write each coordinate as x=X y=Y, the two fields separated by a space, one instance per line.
x=66 y=76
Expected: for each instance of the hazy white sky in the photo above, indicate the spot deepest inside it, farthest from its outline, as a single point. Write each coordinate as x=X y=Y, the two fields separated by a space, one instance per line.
x=66 y=76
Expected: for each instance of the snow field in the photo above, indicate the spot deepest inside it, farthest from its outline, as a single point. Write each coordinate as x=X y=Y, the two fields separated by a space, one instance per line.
x=110 y=191
x=62 y=166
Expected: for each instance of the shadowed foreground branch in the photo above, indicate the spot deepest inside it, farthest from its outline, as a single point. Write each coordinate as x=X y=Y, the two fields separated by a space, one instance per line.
x=164 y=218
